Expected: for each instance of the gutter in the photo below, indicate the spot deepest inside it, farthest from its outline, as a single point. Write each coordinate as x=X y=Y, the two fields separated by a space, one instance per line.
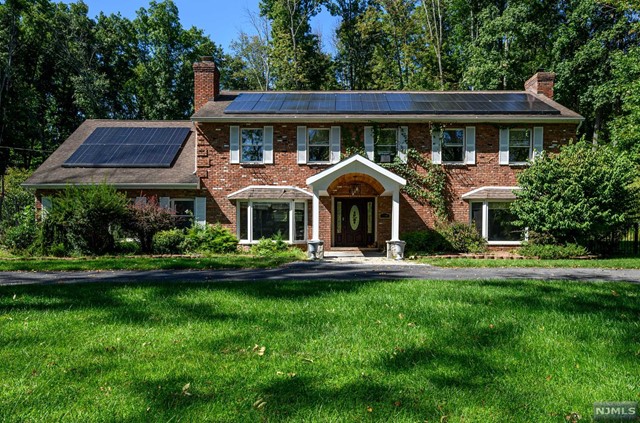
x=379 y=118
x=194 y=185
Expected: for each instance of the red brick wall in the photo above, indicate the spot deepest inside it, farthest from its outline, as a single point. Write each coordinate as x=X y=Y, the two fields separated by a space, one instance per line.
x=206 y=81
x=221 y=178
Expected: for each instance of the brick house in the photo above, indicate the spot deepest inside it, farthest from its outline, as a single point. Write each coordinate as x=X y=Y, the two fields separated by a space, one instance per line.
x=263 y=163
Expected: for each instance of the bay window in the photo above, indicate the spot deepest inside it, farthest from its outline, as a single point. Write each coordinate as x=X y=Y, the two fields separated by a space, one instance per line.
x=495 y=222
x=266 y=219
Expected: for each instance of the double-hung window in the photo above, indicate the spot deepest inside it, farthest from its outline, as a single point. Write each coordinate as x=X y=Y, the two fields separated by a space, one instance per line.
x=386 y=145
x=252 y=144
x=319 y=145
x=456 y=146
x=519 y=145
x=453 y=146
x=495 y=222
x=184 y=209
x=266 y=219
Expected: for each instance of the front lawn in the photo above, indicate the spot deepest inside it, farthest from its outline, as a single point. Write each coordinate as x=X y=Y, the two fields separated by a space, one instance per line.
x=225 y=261
x=408 y=351
x=608 y=263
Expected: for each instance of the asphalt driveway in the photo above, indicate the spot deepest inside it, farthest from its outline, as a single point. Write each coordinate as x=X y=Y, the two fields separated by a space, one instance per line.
x=321 y=271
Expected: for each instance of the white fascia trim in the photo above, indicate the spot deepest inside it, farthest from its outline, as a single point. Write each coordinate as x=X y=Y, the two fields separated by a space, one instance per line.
x=194 y=185
x=278 y=187
x=470 y=193
x=357 y=158
x=388 y=118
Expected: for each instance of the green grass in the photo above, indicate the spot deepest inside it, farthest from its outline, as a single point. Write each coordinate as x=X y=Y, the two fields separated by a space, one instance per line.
x=229 y=261
x=609 y=263
x=408 y=351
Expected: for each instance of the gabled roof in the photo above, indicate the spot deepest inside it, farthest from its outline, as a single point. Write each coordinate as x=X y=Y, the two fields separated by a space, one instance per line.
x=385 y=106
x=270 y=192
x=52 y=174
x=356 y=164
x=491 y=193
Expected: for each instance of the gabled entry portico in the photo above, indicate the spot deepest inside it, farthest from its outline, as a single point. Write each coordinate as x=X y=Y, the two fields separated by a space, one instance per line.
x=376 y=179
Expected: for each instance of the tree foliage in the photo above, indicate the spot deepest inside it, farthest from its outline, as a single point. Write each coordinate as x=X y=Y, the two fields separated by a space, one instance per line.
x=579 y=195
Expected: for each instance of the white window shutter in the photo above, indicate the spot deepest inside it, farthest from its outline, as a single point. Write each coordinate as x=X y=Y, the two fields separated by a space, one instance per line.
x=538 y=144
x=436 y=156
x=141 y=201
x=234 y=144
x=368 y=141
x=302 y=144
x=334 y=137
x=164 y=202
x=46 y=205
x=403 y=141
x=267 y=145
x=504 y=146
x=200 y=211
x=470 y=145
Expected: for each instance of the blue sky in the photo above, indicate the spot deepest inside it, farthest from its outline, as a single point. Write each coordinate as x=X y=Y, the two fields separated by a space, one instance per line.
x=220 y=19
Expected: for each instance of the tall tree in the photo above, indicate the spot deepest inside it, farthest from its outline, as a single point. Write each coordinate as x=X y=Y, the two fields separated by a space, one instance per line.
x=355 y=44
x=588 y=38
x=434 y=11
x=298 y=62
x=253 y=51
x=164 y=78
x=511 y=42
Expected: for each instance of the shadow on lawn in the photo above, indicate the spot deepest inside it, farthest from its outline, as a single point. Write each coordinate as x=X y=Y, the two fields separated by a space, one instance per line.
x=464 y=358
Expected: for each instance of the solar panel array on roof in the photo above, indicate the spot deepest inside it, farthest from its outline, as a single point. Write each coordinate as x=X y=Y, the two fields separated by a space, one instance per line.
x=129 y=147
x=433 y=103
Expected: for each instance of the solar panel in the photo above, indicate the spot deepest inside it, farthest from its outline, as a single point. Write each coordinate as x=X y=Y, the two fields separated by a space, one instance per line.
x=429 y=103
x=129 y=147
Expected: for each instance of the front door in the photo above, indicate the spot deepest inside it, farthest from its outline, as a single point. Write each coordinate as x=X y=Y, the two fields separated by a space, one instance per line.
x=353 y=222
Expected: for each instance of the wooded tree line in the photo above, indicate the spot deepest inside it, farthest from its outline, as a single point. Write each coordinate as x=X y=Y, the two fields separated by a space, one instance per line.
x=58 y=66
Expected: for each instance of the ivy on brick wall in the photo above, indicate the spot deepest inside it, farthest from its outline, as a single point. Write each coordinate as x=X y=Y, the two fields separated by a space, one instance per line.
x=426 y=182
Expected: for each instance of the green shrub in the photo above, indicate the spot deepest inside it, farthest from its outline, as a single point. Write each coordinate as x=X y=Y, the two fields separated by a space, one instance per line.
x=128 y=247
x=21 y=237
x=463 y=238
x=580 y=195
x=269 y=246
x=428 y=241
x=553 y=252
x=169 y=242
x=16 y=198
x=214 y=239
x=82 y=219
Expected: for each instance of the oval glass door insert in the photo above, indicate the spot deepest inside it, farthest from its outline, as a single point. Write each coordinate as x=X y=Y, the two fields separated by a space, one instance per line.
x=354 y=217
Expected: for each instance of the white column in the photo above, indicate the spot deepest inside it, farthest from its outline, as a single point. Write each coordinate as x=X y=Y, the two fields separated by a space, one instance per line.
x=395 y=216
x=316 y=216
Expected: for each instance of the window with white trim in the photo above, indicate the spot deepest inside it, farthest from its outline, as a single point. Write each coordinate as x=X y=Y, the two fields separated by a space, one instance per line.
x=519 y=145
x=386 y=145
x=184 y=209
x=452 y=145
x=265 y=219
x=495 y=222
x=319 y=146
x=252 y=145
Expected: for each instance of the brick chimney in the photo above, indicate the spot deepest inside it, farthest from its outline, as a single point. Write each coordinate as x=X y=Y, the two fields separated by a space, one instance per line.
x=541 y=83
x=206 y=82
